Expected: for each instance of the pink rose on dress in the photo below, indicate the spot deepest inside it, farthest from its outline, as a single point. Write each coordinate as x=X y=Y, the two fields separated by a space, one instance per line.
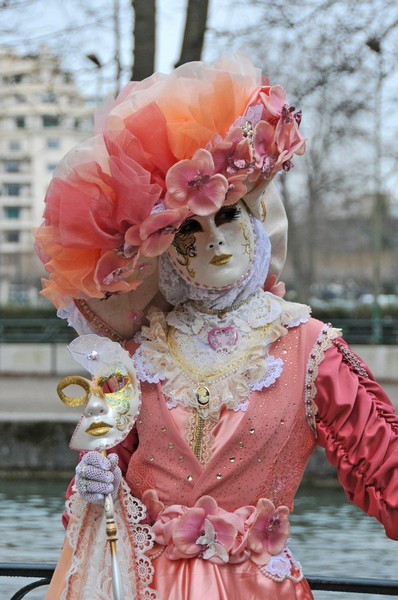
x=269 y=532
x=196 y=184
x=204 y=530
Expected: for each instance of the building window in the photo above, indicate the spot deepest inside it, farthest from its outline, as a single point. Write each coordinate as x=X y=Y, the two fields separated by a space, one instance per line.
x=12 y=189
x=12 y=236
x=20 y=122
x=20 y=99
x=17 y=78
x=12 y=212
x=51 y=167
x=14 y=145
x=53 y=143
x=50 y=121
x=12 y=166
x=48 y=97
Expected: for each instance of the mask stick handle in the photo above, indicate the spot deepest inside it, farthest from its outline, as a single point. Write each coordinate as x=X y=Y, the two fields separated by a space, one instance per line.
x=111 y=533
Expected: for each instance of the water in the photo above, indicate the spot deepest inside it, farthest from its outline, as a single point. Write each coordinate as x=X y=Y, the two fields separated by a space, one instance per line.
x=329 y=536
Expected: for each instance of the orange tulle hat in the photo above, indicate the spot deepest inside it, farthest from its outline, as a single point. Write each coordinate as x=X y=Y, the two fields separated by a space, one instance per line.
x=167 y=147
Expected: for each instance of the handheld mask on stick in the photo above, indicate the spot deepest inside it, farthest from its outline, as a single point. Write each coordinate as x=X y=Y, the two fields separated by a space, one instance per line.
x=111 y=400
x=111 y=403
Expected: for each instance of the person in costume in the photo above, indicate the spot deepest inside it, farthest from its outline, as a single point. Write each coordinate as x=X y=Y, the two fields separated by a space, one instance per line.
x=166 y=234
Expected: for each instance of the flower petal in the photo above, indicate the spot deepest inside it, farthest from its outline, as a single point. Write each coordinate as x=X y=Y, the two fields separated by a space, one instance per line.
x=210 y=197
x=187 y=530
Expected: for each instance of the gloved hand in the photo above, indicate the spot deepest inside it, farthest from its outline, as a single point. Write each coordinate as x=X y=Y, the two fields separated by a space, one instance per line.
x=97 y=476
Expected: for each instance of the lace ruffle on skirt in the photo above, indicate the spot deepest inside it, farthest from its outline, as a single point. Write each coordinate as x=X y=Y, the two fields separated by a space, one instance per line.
x=90 y=574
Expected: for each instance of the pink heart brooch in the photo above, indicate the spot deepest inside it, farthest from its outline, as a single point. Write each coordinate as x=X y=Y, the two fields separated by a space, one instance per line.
x=223 y=339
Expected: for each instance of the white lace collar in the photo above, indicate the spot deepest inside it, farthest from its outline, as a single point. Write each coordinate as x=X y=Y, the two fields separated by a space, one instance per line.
x=188 y=350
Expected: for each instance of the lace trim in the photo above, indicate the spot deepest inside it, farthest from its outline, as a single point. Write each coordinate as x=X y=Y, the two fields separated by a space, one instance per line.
x=206 y=441
x=283 y=566
x=275 y=369
x=90 y=573
x=162 y=356
x=324 y=341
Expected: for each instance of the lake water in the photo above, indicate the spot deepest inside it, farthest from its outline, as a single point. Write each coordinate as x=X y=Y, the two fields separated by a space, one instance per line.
x=330 y=537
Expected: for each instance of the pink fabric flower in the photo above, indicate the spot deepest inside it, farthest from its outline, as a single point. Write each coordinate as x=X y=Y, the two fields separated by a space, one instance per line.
x=195 y=184
x=289 y=140
x=212 y=548
x=212 y=533
x=153 y=505
x=192 y=525
x=265 y=148
x=180 y=528
x=236 y=188
x=240 y=552
x=232 y=154
x=155 y=234
x=111 y=271
x=269 y=532
x=274 y=99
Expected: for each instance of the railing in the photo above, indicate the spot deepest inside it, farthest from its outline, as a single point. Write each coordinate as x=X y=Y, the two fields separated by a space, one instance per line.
x=356 y=331
x=35 y=331
x=362 y=331
x=44 y=573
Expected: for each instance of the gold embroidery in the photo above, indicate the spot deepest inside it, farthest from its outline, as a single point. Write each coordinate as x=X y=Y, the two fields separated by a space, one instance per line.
x=184 y=243
x=222 y=372
x=263 y=211
x=246 y=236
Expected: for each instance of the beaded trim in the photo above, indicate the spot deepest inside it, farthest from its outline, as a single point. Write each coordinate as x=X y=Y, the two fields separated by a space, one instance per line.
x=100 y=325
x=324 y=341
x=352 y=360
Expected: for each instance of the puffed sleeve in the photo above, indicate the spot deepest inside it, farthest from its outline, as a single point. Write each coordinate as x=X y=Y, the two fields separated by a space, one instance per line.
x=358 y=428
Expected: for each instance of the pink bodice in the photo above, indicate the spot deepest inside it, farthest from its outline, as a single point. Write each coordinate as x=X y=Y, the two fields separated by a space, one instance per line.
x=259 y=453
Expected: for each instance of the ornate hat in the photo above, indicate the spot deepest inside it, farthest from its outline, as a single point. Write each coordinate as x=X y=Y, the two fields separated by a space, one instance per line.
x=167 y=147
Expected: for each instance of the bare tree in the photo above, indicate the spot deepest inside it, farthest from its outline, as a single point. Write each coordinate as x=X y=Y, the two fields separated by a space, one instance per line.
x=320 y=50
x=144 y=38
x=195 y=29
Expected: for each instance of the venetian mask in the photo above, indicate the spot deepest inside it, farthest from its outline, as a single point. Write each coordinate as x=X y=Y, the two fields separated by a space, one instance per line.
x=217 y=250
x=111 y=400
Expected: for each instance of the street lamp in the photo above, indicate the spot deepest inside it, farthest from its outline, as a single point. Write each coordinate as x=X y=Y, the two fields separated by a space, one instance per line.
x=374 y=44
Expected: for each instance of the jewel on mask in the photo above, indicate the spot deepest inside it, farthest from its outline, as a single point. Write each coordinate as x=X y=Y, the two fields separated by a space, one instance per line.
x=223 y=339
x=93 y=355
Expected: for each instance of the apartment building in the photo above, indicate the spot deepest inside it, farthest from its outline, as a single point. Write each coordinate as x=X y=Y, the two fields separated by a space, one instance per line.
x=42 y=116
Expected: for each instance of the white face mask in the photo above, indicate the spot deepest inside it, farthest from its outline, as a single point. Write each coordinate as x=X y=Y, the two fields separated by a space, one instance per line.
x=217 y=250
x=111 y=403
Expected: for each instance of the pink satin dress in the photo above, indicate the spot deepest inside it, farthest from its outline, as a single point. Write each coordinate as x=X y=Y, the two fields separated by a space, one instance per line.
x=326 y=396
